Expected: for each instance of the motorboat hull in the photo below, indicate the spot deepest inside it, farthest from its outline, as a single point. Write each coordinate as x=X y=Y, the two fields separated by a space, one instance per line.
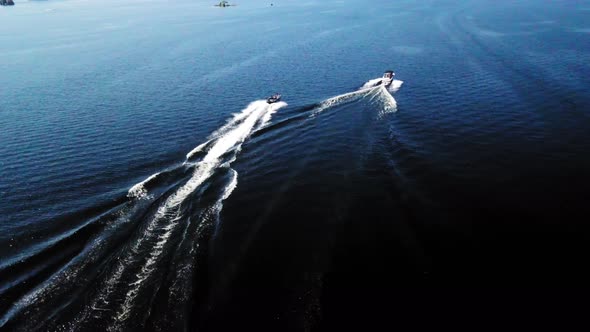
x=273 y=99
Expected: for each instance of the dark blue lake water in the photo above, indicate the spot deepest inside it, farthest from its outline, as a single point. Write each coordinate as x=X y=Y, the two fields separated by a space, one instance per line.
x=145 y=183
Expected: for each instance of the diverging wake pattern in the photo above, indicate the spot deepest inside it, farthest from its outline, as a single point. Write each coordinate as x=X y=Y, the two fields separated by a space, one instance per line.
x=371 y=88
x=149 y=247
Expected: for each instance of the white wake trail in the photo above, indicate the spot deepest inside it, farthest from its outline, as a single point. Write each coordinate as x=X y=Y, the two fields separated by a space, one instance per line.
x=370 y=87
x=395 y=85
x=371 y=83
x=224 y=129
x=389 y=103
x=161 y=226
x=138 y=190
x=340 y=99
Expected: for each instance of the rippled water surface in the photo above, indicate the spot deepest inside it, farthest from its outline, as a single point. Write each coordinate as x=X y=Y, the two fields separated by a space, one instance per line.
x=147 y=185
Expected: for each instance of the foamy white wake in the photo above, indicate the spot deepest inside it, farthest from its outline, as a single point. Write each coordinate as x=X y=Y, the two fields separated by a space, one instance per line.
x=138 y=190
x=395 y=85
x=370 y=87
x=161 y=226
x=340 y=99
x=195 y=150
x=132 y=271
x=386 y=99
x=222 y=140
x=164 y=222
x=372 y=83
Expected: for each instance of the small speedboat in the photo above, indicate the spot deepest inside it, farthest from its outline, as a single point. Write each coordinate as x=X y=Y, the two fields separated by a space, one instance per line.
x=387 y=78
x=274 y=98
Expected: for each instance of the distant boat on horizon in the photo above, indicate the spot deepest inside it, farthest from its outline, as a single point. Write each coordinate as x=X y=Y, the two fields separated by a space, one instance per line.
x=224 y=4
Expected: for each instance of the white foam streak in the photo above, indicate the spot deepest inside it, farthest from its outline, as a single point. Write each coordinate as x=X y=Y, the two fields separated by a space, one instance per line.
x=273 y=109
x=340 y=99
x=195 y=150
x=138 y=190
x=372 y=83
x=370 y=87
x=231 y=186
x=231 y=136
x=67 y=276
x=389 y=103
x=147 y=269
x=234 y=120
x=395 y=85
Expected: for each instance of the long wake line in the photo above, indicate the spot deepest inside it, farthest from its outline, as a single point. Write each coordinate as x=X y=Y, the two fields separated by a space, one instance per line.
x=152 y=239
x=135 y=270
